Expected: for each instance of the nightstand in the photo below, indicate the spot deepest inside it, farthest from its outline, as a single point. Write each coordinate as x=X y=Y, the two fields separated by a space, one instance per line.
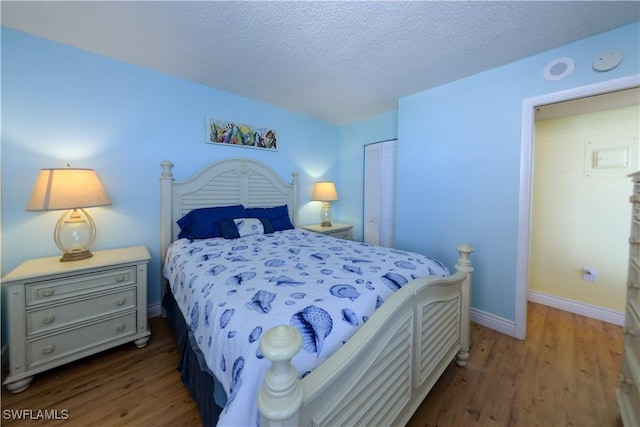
x=340 y=231
x=59 y=312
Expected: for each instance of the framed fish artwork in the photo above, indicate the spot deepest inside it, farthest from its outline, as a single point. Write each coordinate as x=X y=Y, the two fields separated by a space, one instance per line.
x=225 y=132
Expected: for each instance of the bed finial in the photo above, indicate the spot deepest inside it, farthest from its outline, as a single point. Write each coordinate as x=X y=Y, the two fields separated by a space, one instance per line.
x=465 y=251
x=281 y=395
x=166 y=169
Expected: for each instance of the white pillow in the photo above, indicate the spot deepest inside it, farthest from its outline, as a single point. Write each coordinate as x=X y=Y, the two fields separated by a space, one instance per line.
x=249 y=226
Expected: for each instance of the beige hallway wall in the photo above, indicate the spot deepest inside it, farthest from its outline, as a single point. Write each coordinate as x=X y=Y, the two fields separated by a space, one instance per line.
x=580 y=210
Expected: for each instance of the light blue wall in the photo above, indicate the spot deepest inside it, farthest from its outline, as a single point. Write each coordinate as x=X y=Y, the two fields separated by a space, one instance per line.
x=458 y=148
x=459 y=155
x=61 y=104
x=353 y=138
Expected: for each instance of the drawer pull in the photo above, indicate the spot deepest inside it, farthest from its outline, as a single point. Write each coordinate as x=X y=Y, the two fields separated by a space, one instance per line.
x=625 y=381
x=634 y=240
x=121 y=278
x=628 y=331
x=121 y=301
x=49 y=319
x=632 y=285
x=49 y=349
x=634 y=198
x=48 y=292
x=120 y=327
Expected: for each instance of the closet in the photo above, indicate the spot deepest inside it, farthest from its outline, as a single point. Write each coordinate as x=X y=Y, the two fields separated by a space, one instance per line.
x=380 y=163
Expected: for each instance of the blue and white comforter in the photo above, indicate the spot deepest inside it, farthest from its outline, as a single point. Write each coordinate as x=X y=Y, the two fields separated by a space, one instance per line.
x=232 y=291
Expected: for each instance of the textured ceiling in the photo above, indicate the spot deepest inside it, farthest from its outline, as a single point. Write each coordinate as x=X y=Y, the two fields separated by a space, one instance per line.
x=337 y=61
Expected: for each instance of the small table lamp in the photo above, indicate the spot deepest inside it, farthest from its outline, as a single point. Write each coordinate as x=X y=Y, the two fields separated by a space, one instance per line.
x=325 y=192
x=70 y=189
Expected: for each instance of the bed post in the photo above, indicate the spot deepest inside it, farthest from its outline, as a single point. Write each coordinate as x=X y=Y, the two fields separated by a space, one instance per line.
x=281 y=394
x=296 y=198
x=166 y=183
x=463 y=265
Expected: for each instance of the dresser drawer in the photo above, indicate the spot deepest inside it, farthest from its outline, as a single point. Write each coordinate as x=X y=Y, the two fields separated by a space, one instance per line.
x=346 y=235
x=72 y=342
x=633 y=290
x=79 y=311
x=629 y=398
x=631 y=332
x=635 y=199
x=69 y=286
x=634 y=245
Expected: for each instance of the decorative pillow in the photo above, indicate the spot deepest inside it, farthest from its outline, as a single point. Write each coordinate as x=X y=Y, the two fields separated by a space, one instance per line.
x=204 y=223
x=240 y=227
x=278 y=216
x=249 y=226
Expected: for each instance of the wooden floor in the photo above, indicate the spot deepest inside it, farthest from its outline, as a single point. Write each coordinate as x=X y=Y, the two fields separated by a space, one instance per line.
x=564 y=374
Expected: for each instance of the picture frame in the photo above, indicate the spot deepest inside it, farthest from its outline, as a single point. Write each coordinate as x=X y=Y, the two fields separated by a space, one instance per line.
x=227 y=132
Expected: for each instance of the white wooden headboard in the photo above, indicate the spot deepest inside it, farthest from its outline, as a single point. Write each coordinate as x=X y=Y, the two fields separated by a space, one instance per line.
x=226 y=182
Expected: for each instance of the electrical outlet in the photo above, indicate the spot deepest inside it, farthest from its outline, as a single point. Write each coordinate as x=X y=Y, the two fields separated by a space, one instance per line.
x=590 y=274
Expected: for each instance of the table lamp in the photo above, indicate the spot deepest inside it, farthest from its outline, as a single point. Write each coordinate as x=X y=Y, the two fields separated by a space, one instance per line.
x=325 y=192
x=72 y=190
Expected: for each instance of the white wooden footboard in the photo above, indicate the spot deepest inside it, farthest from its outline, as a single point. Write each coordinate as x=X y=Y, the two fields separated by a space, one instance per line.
x=382 y=374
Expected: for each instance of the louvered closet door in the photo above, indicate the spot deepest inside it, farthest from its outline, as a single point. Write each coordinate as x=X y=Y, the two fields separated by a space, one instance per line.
x=380 y=193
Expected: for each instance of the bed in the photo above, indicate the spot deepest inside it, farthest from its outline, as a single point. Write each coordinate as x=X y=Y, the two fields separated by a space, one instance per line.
x=398 y=333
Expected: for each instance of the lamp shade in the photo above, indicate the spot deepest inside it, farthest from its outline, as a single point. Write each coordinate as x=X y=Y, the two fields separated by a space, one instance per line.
x=324 y=191
x=67 y=188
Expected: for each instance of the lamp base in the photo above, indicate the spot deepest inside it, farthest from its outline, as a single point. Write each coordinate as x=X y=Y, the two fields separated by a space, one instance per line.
x=74 y=235
x=325 y=215
x=76 y=256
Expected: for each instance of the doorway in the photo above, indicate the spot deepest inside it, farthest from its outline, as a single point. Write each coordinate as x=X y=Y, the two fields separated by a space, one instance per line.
x=526 y=158
x=583 y=151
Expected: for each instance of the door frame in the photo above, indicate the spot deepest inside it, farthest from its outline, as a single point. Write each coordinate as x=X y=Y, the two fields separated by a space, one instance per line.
x=526 y=166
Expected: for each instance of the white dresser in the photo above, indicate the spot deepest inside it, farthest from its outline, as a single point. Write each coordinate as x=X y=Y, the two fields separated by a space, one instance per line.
x=629 y=391
x=62 y=311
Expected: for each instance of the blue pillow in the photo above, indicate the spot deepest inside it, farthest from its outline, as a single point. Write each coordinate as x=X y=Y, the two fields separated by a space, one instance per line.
x=278 y=216
x=203 y=223
x=228 y=229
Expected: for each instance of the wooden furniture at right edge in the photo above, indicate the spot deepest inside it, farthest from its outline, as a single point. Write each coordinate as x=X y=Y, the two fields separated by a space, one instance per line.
x=629 y=391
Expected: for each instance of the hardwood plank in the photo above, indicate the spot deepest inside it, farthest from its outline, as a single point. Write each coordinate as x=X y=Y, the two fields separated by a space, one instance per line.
x=124 y=386
x=564 y=374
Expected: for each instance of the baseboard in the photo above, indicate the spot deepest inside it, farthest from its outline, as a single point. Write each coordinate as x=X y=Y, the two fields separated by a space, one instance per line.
x=480 y=317
x=491 y=321
x=154 y=310
x=576 y=307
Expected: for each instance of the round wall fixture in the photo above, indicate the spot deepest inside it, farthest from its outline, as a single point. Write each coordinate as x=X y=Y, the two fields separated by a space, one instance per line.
x=558 y=69
x=607 y=61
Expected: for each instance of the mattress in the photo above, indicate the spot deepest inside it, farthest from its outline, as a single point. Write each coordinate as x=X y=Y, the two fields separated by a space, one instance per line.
x=232 y=291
